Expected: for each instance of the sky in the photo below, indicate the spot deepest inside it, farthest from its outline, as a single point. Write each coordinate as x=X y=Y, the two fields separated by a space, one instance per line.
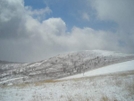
x=33 y=30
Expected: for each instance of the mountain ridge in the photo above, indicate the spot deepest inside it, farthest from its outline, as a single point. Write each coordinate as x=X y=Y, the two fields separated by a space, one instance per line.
x=59 y=66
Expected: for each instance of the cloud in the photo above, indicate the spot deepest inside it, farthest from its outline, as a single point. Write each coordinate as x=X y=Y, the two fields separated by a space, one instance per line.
x=54 y=26
x=85 y=16
x=24 y=37
x=38 y=13
x=120 y=11
x=7 y=14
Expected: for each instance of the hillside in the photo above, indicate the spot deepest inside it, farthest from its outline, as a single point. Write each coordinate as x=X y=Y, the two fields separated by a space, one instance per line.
x=115 y=68
x=60 y=66
x=111 y=87
x=78 y=76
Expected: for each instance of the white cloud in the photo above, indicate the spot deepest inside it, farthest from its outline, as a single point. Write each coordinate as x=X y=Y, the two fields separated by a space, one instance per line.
x=25 y=38
x=85 y=16
x=7 y=14
x=120 y=11
x=39 y=14
x=54 y=26
x=39 y=11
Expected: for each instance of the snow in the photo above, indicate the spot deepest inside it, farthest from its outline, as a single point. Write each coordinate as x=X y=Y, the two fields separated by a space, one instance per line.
x=101 y=88
x=125 y=66
x=55 y=66
x=98 y=88
x=11 y=80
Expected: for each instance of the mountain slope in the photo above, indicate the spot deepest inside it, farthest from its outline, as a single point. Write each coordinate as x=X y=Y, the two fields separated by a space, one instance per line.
x=59 y=66
x=115 y=68
x=113 y=87
x=108 y=76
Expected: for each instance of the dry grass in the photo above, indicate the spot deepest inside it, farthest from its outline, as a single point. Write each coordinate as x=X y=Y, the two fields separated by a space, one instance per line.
x=104 y=98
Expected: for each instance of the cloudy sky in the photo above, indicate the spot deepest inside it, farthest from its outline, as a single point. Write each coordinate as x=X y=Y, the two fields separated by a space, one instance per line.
x=32 y=30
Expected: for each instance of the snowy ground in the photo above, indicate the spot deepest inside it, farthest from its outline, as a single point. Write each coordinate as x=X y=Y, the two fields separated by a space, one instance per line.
x=119 y=67
x=109 y=87
x=118 y=87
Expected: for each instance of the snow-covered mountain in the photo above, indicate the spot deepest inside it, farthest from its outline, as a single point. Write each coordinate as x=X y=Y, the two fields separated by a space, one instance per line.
x=60 y=66
x=118 y=86
x=91 y=75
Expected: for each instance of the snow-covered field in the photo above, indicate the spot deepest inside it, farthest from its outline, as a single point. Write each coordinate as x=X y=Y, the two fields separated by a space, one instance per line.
x=119 y=67
x=117 y=86
x=86 y=76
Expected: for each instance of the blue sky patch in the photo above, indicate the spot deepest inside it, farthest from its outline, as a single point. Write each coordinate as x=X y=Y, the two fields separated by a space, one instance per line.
x=71 y=12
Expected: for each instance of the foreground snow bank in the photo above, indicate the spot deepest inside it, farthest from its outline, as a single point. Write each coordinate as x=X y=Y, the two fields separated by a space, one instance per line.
x=125 y=66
